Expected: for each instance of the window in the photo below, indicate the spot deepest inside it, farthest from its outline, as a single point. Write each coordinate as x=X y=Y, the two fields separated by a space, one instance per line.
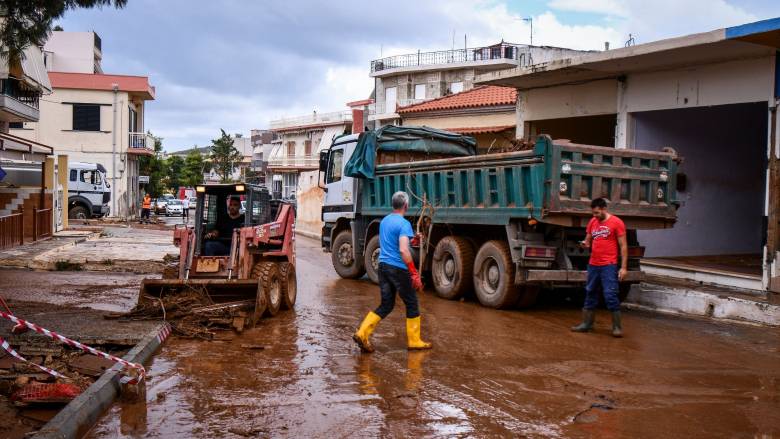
x=16 y=125
x=74 y=174
x=456 y=87
x=307 y=147
x=390 y=100
x=91 y=177
x=291 y=149
x=336 y=161
x=419 y=91
x=86 y=117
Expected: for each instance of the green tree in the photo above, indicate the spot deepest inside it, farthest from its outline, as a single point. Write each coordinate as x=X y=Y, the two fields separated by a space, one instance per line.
x=224 y=156
x=28 y=22
x=194 y=167
x=154 y=167
x=175 y=166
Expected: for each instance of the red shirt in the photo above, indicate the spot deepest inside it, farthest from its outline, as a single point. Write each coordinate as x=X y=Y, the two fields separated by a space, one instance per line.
x=604 y=240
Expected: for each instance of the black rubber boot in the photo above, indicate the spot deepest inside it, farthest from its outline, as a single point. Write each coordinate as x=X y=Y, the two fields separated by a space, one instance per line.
x=588 y=317
x=617 y=324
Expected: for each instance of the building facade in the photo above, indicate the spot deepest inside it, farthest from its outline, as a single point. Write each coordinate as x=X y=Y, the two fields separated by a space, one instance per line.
x=712 y=97
x=409 y=79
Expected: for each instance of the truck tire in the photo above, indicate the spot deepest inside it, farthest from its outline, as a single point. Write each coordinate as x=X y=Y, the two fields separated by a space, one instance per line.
x=344 y=263
x=78 y=212
x=371 y=259
x=452 y=268
x=270 y=281
x=289 y=285
x=494 y=276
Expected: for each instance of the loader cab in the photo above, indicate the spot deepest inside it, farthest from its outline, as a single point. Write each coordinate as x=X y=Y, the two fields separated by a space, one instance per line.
x=212 y=208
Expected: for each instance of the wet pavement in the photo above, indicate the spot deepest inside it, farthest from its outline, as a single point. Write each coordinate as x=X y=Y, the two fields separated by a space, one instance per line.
x=490 y=374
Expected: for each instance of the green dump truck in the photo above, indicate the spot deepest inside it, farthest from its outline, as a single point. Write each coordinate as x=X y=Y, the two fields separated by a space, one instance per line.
x=501 y=225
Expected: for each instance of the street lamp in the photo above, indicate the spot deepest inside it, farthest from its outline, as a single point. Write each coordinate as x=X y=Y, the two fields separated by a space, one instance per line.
x=530 y=21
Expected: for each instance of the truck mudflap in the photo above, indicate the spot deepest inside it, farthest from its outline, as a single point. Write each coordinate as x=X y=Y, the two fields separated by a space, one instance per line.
x=578 y=276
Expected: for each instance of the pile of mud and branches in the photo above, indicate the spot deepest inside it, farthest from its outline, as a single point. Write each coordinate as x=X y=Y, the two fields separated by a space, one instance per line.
x=191 y=312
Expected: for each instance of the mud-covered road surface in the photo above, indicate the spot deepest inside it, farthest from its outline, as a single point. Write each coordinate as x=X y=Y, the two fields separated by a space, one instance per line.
x=491 y=373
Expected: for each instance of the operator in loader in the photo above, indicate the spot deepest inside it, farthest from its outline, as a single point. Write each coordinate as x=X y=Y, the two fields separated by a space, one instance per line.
x=397 y=275
x=218 y=240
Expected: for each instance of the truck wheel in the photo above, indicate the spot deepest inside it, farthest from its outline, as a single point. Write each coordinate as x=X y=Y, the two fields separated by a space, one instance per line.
x=494 y=276
x=289 y=285
x=371 y=259
x=78 y=212
x=527 y=295
x=269 y=279
x=345 y=264
x=452 y=268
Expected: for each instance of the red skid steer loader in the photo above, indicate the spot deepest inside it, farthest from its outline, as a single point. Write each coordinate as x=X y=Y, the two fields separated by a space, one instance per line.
x=253 y=274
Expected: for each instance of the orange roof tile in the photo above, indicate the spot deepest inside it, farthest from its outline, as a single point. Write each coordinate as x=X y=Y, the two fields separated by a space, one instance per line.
x=481 y=96
x=99 y=81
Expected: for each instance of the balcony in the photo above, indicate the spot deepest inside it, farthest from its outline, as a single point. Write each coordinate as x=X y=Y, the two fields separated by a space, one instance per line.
x=294 y=163
x=19 y=99
x=511 y=54
x=140 y=143
x=313 y=120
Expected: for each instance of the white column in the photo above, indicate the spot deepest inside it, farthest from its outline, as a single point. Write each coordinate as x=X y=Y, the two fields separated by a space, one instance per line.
x=624 y=126
x=520 y=111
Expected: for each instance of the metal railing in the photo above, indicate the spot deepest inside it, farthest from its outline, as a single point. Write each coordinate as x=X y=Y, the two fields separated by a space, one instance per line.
x=515 y=52
x=11 y=230
x=141 y=141
x=294 y=162
x=41 y=223
x=312 y=119
x=18 y=90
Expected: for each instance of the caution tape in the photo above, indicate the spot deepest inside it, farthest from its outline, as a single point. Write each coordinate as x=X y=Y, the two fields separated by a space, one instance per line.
x=15 y=354
x=73 y=343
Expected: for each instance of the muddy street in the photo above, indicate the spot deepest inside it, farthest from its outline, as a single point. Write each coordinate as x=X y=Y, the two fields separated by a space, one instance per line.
x=491 y=373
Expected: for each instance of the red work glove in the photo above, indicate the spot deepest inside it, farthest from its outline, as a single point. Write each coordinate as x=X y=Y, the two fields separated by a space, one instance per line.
x=416 y=281
x=415 y=242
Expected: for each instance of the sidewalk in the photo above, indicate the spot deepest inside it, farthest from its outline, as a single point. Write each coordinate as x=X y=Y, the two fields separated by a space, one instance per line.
x=22 y=256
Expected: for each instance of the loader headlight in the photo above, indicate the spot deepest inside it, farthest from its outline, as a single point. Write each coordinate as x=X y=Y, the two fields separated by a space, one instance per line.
x=239 y=188
x=200 y=189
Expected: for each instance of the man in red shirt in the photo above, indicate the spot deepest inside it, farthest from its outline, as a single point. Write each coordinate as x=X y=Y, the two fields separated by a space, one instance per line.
x=604 y=235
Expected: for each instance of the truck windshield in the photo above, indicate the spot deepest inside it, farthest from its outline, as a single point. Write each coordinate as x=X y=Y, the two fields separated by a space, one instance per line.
x=91 y=177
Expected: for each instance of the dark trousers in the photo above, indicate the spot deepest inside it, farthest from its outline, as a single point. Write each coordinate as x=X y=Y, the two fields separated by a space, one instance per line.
x=186 y=212
x=605 y=276
x=392 y=281
x=145 y=214
x=215 y=248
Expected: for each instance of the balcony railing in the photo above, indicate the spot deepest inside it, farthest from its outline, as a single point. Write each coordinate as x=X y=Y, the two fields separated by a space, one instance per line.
x=18 y=90
x=294 y=162
x=515 y=52
x=312 y=119
x=141 y=141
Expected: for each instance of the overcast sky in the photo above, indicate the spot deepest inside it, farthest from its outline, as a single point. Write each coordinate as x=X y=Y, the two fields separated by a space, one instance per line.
x=238 y=64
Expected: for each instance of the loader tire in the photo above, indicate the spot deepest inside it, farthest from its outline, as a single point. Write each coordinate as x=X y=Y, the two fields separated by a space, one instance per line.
x=371 y=262
x=289 y=285
x=452 y=268
x=269 y=279
x=345 y=264
x=494 y=276
x=261 y=301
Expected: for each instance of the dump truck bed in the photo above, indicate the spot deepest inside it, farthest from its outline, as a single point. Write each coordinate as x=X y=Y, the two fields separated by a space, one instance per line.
x=553 y=183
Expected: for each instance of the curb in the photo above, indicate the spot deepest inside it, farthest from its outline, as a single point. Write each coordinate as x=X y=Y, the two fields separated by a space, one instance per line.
x=80 y=415
x=691 y=302
x=311 y=235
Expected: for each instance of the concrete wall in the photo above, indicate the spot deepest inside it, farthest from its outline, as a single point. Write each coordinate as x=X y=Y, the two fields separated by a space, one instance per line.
x=592 y=98
x=462 y=121
x=309 y=204
x=724 y=150
x=72 y=52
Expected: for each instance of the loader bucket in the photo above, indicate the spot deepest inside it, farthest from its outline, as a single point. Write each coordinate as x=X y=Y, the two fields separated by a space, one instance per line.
x=217 y=291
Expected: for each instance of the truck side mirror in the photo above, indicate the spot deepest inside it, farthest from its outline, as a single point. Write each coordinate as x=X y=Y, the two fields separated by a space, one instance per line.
x=324 y=155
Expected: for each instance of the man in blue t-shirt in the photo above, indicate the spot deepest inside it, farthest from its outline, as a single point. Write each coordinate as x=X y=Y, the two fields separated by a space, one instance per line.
x=397 y=275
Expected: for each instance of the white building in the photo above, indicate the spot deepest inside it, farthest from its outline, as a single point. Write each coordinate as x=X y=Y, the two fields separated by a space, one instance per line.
x=74 y=52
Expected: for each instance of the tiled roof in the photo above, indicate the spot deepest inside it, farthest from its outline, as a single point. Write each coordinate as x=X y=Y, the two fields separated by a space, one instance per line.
x=99 y=81
x=481 y=96
x=481 y=130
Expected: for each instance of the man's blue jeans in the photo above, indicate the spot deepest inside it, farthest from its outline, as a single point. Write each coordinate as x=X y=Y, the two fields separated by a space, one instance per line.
x=607 y=277
x=215 y=248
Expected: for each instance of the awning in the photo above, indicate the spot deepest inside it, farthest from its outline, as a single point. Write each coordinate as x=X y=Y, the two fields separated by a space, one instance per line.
x=328 y=135
x=34 y=70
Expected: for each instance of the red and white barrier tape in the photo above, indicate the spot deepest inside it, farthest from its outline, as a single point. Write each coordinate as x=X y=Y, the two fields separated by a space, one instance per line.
x=15 y=354
x=83 y=347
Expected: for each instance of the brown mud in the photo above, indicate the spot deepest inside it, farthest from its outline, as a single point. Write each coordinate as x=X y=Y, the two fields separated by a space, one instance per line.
x=491 y=373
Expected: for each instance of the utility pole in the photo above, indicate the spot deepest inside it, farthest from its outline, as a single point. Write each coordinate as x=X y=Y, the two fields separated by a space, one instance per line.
x=115 y=88
x=530 y=21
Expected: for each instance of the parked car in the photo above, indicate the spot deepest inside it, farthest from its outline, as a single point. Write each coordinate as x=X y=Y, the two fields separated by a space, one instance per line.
x=193 y=202
x=174 y=207
x=159 y=205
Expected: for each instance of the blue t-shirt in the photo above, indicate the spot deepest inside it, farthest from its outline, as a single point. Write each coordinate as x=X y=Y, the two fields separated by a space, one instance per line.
x=391 y=228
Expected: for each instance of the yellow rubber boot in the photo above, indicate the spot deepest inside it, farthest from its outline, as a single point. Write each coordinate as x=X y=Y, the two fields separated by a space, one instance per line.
x=363 y=334
x=413 y=334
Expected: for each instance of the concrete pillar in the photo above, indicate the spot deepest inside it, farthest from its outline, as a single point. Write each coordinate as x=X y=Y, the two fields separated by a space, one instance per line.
x=63 y=177
x=48 y=179
x=357 y=120
x=624 y=126
x=520 y=114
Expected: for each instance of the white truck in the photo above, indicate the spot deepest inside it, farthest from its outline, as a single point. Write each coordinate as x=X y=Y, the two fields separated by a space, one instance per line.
x=89 y=192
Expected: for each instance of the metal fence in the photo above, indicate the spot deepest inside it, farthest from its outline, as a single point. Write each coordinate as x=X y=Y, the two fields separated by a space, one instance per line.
x=11 y=230
x=20 y=91
x=41 y=223
x=513 y=52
